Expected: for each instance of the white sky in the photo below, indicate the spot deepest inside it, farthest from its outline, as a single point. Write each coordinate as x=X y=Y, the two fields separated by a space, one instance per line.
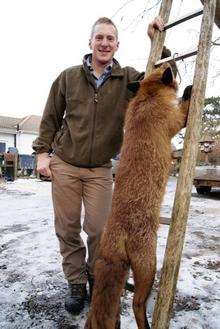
x=40 y=38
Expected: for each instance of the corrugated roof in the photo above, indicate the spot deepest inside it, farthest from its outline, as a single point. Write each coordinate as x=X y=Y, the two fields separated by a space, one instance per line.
x=8 y=122
x=29 y=123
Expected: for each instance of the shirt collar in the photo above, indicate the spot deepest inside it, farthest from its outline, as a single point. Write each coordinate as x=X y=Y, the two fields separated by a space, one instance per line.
x=117 y=71
x=88 y=62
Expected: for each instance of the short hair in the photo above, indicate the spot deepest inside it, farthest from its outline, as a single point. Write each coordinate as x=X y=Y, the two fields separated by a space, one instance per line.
x=103 y=20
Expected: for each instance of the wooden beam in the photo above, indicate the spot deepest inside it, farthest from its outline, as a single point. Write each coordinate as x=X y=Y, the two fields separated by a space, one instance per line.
x=217 y=12
x=159 y=37
x=183 y=19
x=170 y=270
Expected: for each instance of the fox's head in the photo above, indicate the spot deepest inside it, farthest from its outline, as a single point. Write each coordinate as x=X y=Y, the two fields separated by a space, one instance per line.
x=160 y=81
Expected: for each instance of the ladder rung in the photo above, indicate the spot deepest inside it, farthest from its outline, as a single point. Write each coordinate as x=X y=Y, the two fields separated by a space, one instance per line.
x=177 y=57
x=165 y=220
x=183 y=19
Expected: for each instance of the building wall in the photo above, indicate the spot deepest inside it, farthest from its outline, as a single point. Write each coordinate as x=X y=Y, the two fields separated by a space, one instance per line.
x=8 y=139
x=24 y=143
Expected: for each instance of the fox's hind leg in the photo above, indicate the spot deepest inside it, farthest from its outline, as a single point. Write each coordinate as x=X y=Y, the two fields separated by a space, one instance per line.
x=110 y=277
x=143 y=264
x=118 y=319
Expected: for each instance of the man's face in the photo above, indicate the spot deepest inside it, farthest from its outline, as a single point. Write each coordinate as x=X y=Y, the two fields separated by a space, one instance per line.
x=103 y=43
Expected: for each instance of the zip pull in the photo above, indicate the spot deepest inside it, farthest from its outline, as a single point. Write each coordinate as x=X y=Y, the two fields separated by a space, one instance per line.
x=96 y=98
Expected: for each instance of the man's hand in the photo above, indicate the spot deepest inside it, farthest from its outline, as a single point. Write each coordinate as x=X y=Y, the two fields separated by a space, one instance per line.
x=43 y=163
x=156 y=24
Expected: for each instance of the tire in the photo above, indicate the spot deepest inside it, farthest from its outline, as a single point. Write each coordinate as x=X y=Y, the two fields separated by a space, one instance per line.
x=203 y=189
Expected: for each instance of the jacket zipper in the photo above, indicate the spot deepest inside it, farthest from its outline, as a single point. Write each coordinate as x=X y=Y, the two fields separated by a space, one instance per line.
x=93 y=124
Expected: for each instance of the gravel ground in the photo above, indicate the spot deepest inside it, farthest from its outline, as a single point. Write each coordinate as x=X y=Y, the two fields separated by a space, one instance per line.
x=32 y=285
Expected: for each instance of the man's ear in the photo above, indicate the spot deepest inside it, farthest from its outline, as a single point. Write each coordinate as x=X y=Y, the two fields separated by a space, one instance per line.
x=133 y=86
x=167 y=77
x=90 y=47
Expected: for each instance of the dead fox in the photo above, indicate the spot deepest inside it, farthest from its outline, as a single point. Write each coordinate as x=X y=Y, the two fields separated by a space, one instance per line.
x=129 y=240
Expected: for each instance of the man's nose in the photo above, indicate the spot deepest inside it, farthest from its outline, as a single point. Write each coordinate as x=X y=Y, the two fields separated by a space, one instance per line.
x=104 y=42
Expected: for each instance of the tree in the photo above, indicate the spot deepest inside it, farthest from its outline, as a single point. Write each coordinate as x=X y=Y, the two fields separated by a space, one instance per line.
x=211 y=117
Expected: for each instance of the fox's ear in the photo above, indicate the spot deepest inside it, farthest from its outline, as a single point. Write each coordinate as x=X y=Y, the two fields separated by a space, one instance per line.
x=134 y=86
x=167 y=77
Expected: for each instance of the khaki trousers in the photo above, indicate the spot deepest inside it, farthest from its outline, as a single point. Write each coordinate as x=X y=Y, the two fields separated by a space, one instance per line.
x=72 y=186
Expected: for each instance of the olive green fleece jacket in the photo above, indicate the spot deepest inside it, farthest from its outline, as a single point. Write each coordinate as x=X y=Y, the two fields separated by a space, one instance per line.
x=83 y=125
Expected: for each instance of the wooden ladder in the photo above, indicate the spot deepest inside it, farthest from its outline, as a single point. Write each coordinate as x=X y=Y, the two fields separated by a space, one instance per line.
x=175 y=240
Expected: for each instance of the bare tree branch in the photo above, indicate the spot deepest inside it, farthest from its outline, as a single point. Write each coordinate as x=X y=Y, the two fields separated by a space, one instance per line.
x=214 y=43
x=123 y=6
x=140 y=16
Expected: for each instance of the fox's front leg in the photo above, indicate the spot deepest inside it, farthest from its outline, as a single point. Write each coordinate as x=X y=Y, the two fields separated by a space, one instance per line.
x=184 y=106
x=179 y=119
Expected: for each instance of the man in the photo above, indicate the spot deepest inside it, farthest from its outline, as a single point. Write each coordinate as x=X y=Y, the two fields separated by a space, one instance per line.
x=83 y=124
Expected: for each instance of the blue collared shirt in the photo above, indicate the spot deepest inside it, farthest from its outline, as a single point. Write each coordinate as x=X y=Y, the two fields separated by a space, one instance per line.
x=108 y=70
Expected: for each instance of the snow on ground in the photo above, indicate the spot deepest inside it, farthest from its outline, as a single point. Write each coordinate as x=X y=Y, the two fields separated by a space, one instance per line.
x=32 y=285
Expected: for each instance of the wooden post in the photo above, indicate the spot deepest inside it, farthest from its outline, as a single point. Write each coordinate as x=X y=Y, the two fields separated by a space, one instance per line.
x=159 y=38
x=15 y=165
x=217 y=12
x=169 y=275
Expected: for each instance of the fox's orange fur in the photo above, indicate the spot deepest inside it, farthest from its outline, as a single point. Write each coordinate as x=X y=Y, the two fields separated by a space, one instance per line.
x=130 y=236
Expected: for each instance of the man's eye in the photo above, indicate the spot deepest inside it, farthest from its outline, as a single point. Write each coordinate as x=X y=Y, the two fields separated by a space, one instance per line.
x=98 y=38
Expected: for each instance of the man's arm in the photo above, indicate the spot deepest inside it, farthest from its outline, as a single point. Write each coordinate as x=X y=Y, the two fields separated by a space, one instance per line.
x=50 y=124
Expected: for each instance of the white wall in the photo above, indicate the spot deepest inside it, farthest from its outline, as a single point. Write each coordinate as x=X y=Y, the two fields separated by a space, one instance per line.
x=24 y=143
x=8 y=139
